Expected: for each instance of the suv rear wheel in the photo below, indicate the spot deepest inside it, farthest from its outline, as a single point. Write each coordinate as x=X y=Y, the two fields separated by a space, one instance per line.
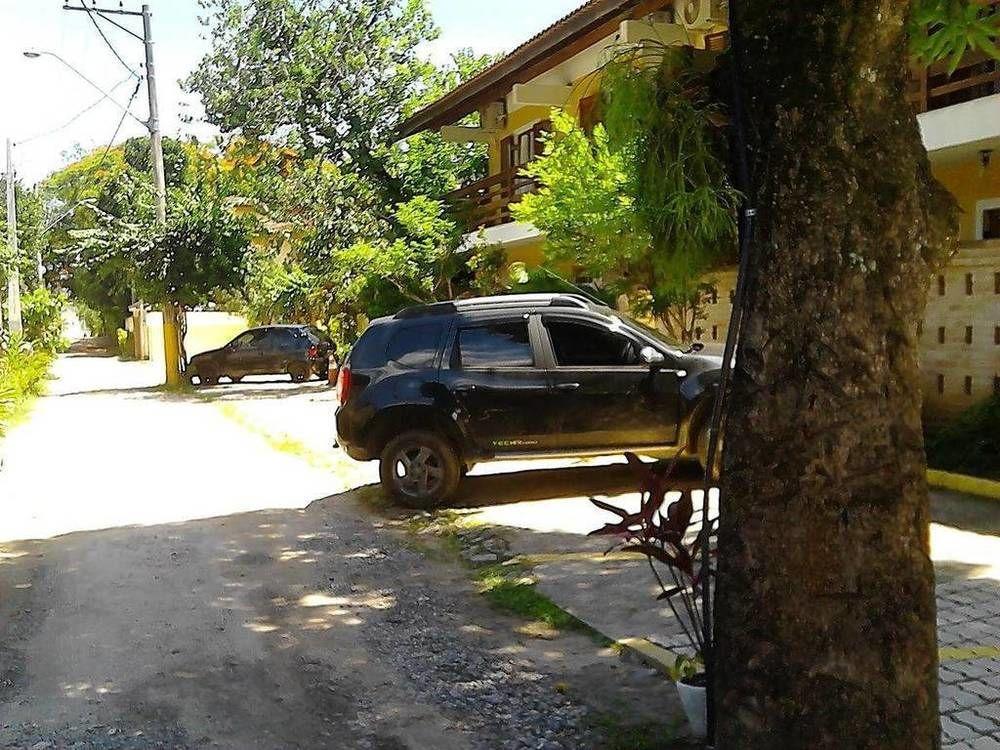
x=420 y=468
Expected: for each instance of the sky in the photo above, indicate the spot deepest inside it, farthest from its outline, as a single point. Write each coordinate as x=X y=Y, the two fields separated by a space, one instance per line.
x=43 y=95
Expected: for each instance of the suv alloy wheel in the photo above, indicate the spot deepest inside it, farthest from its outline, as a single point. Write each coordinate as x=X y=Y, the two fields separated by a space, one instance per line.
x=420 y=468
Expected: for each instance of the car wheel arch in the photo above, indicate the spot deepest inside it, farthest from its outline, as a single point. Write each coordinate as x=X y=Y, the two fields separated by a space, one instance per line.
x=396 y=420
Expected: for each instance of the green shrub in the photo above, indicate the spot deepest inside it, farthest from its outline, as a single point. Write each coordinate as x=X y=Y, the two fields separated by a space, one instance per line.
x=970 y=444
x=22 y=375
x=42 y=312
x=125 y=348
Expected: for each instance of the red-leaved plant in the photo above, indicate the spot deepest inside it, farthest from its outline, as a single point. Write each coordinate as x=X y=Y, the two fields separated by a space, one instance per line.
x=669 y=539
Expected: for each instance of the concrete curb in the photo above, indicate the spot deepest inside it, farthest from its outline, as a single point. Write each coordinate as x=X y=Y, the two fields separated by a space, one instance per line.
x=657 y=657
x=986 y=488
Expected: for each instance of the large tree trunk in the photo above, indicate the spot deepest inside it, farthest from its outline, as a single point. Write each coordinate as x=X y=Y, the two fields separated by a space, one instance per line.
x=826 y=610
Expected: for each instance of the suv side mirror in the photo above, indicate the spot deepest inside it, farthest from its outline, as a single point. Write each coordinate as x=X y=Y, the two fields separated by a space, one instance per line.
x=651 y=357
x=696 y=347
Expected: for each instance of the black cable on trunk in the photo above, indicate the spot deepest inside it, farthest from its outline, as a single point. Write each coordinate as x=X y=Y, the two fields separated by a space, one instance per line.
x=736 y=321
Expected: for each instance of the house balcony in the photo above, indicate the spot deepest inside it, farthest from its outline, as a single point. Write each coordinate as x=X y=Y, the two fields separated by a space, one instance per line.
x=961 y=109
x=486 y=203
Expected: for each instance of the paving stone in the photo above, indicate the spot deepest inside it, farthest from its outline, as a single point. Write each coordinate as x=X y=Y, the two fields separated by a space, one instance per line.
x=986 y=743
x=965 y=697
x=986 y=691
x=977 y=722
x=989 y=711
x=950 y=676
x=956 y=732
x=972 y=669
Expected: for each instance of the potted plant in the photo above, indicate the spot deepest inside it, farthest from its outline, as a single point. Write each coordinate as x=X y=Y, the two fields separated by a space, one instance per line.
x=672 y=541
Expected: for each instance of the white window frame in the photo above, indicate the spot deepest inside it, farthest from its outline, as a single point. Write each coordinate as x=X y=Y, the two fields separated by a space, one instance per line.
x=982 y=207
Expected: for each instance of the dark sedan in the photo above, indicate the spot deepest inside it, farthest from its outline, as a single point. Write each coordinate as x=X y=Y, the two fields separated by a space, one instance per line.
x=296 y=350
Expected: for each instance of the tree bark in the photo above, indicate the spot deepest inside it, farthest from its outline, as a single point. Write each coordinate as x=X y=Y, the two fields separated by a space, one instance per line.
x=825 y=594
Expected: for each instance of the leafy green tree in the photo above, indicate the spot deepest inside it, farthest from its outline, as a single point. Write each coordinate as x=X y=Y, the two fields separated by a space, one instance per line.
x=643 y=201
x=332 y=78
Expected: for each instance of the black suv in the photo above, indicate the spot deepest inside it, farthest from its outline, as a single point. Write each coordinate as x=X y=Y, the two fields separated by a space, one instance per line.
x=297 y=350
x=437 y=388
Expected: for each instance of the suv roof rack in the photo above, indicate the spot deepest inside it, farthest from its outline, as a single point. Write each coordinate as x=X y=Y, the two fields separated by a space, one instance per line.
x=497 y=302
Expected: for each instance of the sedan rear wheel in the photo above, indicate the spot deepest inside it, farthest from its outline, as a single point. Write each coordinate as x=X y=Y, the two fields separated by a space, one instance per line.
x=299 y=372
x=420 y=468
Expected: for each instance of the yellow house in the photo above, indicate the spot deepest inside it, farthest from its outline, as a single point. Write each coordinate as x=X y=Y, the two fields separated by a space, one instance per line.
x=557 y=68
x=959 y=117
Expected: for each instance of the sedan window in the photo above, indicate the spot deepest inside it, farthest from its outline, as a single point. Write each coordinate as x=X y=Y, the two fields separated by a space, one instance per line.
x=495 y=345
x=577 y=345
x=245 y=340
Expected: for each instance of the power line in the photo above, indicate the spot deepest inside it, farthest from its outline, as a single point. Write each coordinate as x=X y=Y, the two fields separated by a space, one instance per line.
x=73 y=203
x=90 y=15
x=75 y=117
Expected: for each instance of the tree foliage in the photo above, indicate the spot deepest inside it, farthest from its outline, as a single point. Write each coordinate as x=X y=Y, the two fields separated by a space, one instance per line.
x=950 y=29
x=643 y=202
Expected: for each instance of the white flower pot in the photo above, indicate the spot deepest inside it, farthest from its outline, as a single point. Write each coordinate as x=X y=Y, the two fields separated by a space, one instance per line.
x=693 y=698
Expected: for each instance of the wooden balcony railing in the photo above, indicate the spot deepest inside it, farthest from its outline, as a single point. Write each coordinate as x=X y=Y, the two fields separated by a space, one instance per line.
x=487 y=202
x=978 y=76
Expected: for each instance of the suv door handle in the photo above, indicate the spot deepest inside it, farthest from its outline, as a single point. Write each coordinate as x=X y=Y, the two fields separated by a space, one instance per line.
x=568 y=387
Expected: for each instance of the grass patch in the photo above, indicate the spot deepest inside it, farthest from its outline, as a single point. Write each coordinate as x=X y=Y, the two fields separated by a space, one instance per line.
x=647 y=735
x=970 y=444
x=511 y=588
x=22 y=378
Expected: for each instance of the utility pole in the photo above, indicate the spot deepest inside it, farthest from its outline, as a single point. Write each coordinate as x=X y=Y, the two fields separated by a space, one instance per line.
x=171 y=327
x=13 y=278
x=171 y=330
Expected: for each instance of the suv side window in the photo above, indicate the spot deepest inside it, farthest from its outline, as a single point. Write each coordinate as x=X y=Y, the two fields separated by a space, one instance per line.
x=578 y=345
x=415 y=347
x=500 y=344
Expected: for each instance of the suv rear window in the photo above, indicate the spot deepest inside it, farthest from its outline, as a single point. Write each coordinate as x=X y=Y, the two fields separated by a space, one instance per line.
x=577 y=345
x=416 y=346
x=495 y=345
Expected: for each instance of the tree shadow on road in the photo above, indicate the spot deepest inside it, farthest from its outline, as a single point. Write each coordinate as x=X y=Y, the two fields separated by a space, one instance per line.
x=293 y=628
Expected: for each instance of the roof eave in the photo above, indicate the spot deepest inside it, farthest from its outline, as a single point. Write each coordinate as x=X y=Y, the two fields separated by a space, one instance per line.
x=495 y=81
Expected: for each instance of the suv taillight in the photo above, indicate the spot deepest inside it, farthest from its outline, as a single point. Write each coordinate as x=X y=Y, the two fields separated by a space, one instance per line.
x=312 y=352
x=343 y=385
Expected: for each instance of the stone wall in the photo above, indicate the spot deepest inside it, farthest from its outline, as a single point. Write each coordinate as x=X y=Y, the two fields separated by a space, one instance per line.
x=959 y=337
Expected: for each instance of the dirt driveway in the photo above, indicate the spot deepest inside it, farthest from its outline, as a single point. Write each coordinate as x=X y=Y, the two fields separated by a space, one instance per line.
x=172 y=580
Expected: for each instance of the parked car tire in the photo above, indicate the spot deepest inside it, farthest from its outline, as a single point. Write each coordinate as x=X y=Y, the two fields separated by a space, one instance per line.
x=205 y=375
x=300 y=373
x=236 y=378
x=420 y=469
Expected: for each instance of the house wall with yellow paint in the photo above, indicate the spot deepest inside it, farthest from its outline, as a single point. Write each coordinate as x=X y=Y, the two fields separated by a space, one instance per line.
x=971 y=182
x=206 y=330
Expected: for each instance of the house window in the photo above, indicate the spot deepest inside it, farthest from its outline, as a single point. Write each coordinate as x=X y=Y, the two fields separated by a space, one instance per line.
x=968 y=334
x=941 y=285
x=996 y=335
x=715 y=333
x=968 y=283
x=519 y=150
x=698 y=332
x=940 y=383
x=968 y=385
x=988 y=219
x=715 y=296
x=941 y=335
x=996 y=282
